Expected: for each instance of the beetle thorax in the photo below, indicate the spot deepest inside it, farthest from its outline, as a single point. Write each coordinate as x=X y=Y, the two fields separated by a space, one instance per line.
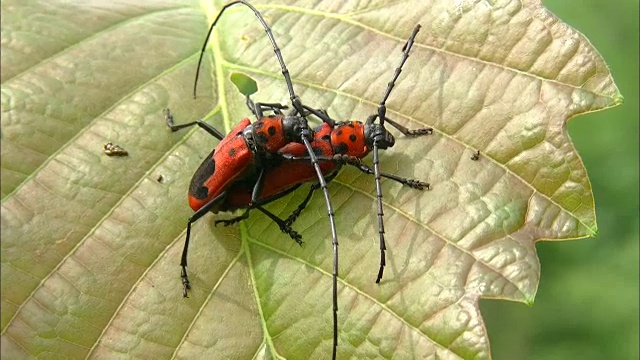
x=378 y=133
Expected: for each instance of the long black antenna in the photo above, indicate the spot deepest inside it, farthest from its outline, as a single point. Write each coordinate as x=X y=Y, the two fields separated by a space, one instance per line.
x=276 y=49
x=382 y=109
x=305 y=136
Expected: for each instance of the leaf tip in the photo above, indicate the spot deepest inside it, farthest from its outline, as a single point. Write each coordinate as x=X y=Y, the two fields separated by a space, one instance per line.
x=530 y=300
x=618 y=100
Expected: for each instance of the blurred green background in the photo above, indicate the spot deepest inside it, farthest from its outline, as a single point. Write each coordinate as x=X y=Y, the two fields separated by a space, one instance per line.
x=587 y=301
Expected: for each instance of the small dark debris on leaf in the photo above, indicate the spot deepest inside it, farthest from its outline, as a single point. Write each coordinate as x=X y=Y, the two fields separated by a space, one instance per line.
x=168 y=117
x=160 y=178
x=112 y=149
x=476 y=156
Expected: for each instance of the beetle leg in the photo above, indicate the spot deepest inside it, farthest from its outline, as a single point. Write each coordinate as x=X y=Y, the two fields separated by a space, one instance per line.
x=294 y=215
x=275 y=107
x=197 y=215
x=408 y=132
x=416 y=184
x=208 y=128
x=320 y=114
x=256 y=110
x=284 y=227
x=257 y=188
x=227 y=222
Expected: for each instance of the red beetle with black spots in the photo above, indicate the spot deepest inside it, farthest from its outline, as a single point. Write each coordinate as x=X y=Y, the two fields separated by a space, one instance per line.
x=259 y=162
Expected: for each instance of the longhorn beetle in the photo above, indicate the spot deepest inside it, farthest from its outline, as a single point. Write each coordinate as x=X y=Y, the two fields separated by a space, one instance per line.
x=248 y=175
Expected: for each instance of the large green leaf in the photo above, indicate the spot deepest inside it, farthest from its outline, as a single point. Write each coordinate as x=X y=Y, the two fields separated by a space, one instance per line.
x=91 y=244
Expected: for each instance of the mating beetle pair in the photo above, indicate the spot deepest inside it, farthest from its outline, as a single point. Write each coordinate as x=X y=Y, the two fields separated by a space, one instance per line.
x=259 y=162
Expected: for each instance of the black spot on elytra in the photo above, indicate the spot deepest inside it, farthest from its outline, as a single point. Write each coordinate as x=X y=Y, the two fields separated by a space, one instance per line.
x=204 y=172
x=232 y=152
x=341 y=148
x=353 y=137
x=339 y=133
x=261 y=138
x=201 y=193
x=326 y=137
x=272 y=130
